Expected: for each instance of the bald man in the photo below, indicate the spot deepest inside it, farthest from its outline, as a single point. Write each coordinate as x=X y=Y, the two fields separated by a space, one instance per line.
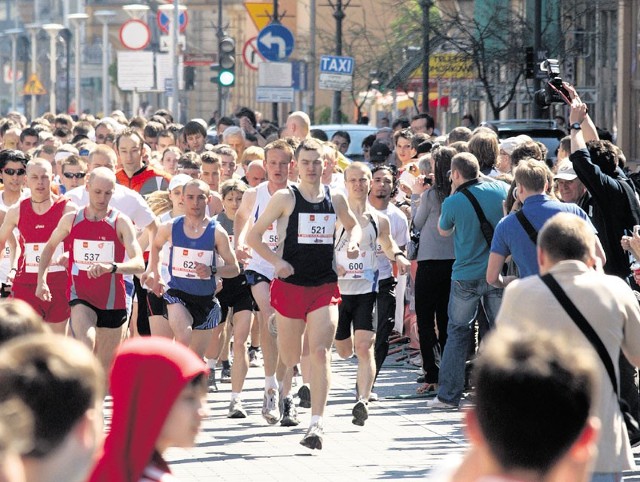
x=256 y=174
x=298 y=125
x=98 y=237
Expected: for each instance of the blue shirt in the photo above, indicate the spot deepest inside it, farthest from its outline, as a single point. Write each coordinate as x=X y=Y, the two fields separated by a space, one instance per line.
x=469 y=245
x=510 y=238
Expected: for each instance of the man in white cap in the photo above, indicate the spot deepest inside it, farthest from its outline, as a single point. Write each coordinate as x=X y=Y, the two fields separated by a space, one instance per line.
x=570 y=188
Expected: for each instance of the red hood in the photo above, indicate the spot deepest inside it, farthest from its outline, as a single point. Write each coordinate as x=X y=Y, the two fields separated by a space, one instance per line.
x=147 y=375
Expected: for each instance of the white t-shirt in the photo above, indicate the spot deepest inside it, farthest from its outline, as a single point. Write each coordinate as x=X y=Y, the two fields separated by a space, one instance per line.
x=399 y=232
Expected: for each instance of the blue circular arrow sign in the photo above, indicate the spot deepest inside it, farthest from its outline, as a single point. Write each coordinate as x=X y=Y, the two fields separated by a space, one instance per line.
x=275 y=42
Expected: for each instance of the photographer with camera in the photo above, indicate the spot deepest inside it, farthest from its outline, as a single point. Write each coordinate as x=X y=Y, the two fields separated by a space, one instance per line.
x=433 y=277
x=615 y=209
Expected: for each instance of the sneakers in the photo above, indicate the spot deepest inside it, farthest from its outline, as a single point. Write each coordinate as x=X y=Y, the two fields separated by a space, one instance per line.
x=211 y=381
x=437 y=403
x=289 y=413
x=373 y=397
x=270 y=408
x=236 y=410
x=304 y=394
x=313 y=438
x=225 y=375
x=254 y=358
x=360 y=413
x=422 y=378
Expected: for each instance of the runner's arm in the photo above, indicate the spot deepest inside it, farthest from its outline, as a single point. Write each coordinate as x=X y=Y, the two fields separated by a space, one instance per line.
x=127 y=234
x=223 y=248
x=390 y=247
x=59 y=234
x=350 y=223
x=241 y=225
x=8 y=224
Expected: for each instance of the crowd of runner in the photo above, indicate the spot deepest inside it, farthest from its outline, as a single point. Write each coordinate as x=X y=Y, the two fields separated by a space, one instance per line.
x=187 y=254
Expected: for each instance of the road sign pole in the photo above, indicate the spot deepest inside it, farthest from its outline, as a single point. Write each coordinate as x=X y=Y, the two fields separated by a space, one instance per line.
x=274 y=105
x=339 y=15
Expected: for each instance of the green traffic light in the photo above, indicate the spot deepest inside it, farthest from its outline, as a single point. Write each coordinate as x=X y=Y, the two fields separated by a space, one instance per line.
x=226 y=78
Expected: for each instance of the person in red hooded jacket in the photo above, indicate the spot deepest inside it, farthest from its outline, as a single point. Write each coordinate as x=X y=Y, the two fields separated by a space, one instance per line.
x=173 y=409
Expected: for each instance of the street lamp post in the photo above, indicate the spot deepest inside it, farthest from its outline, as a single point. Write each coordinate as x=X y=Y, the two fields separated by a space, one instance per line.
x=52 y=29
x=33 y=29
x=14 y=33
x=174 y=31
x=78 y=20
x=104 y=16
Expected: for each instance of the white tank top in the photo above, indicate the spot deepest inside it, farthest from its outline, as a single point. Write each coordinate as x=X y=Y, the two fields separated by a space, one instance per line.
x=361 y=275
x=270 y=237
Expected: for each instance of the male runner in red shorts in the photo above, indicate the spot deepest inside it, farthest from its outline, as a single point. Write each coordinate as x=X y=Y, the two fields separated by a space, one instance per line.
x=305 y=291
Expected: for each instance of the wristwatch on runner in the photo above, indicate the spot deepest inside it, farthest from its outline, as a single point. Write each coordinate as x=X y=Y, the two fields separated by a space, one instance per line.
x=114 y=268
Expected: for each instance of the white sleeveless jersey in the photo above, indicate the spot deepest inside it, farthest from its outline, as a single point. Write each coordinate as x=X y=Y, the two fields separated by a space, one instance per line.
x=270 y=237
x=361 y=274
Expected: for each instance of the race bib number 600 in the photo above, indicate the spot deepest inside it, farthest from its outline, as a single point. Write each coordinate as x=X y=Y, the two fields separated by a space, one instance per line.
x=316 y=228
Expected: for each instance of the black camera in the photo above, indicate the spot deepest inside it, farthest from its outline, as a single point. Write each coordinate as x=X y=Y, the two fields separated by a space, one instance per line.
x=554 y=92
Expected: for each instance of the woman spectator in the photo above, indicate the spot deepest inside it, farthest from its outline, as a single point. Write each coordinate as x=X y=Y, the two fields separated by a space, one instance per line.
x=433 y=276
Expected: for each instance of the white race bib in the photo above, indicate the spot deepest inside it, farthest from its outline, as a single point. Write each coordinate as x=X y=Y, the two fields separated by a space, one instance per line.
x=270 y=237
x=316 y=228
x=356 y=268
x=88 y=252
x=32 y=252
x=184 y=260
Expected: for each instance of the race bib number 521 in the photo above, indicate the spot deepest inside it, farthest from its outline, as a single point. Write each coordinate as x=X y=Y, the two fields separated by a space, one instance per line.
x=316 y=228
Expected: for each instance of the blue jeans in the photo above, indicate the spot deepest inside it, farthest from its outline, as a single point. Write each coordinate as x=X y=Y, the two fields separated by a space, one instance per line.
x=463 y=307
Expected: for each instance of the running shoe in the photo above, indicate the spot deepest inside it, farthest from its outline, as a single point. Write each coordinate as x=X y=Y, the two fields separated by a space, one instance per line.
x=437 y=403
x=225 y=375
x=304 y=394
x=289 y=413
x=360 y=413
x=373 y=397
x=236 y=410
x=270 y=407
x=254 y=359
x=313 y=438
x=211 y=381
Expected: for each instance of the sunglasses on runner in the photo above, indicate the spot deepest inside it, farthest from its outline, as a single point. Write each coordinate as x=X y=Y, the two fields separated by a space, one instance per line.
x=14 y=172
x=71 y=175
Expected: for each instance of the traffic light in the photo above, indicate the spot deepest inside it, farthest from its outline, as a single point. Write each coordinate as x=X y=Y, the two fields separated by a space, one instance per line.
x=227 y=62
x=189 y=78
x=530 y=68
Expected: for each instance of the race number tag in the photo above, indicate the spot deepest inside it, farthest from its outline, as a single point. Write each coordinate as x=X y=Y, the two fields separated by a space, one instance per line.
x=270 y=237
x=359 y=268
x=87 y=253
x=184 y=261
x=7 y=252
x=32 y=252
x=316 y=228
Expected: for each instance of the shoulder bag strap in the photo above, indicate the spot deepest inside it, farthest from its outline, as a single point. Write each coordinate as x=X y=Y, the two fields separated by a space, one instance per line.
x=528 y=227
x=584 y=326
x=485 y=225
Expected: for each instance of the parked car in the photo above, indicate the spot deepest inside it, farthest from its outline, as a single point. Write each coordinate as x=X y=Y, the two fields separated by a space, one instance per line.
x=357 y=132
x=545 y=131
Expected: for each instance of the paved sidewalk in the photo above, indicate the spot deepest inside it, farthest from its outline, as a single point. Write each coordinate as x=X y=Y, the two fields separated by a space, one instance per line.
x=401 y=439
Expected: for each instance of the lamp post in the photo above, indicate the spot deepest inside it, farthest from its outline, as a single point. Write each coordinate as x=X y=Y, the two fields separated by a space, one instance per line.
x=174 y=30
x=52 y=29
x=104 y=17
x=14 y=33
x=33 y=29
x=78 y=20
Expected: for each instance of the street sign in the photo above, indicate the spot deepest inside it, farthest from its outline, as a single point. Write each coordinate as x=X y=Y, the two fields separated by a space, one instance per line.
x=135 y=34
x=275 y=74
x=275 y=42
x=250 y=53
x=165 y=18
x=337 y=65
x=135 y=70
x=165 y=43
x=274 y=94
x=34 y=86
x=299 y=75
x=168 y=86
x=336 y=73
x=199 y=60
x=260 y=13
